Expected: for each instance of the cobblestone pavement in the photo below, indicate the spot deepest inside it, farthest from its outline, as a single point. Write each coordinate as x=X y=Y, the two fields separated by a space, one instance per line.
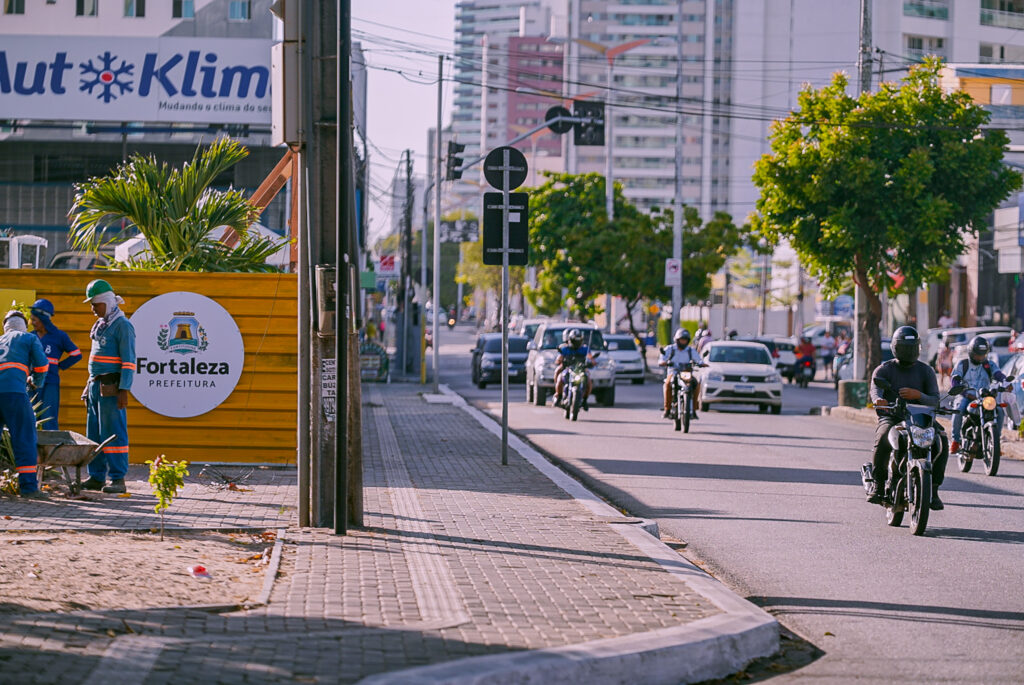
x=459 y=557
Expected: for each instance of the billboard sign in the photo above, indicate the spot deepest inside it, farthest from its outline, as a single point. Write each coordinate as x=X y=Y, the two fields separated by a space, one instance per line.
x=189 y=354
x=163 y=79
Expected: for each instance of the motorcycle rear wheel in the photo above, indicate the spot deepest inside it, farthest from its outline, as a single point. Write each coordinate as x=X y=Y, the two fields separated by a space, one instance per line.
x=991 y=453
x=919 y=497
x=687 y=410
x=892 y=517
x=964 y=461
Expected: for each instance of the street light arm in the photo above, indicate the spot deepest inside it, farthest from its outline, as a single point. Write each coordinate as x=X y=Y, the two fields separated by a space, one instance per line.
x=612 y=53
x=524 y=136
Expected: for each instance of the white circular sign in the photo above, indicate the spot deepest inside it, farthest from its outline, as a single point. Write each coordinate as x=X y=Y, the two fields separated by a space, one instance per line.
x=188 y=354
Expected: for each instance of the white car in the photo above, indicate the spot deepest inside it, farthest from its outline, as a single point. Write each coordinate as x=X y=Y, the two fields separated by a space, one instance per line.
x=629 y=363
x=543 y=351
x=739 y=373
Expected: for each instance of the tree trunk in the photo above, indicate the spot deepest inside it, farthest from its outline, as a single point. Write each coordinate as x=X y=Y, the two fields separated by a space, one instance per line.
x=869 y=324
x=632 y=329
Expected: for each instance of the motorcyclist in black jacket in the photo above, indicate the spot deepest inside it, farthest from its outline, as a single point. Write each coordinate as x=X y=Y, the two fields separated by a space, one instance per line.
x=915 y=382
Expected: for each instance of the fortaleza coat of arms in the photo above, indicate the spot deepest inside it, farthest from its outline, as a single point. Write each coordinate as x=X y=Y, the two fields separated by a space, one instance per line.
x=182 y=334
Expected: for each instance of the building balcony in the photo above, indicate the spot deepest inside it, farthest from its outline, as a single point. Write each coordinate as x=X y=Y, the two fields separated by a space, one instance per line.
x=931 y=9
x=1010 y=20
x=920 y=53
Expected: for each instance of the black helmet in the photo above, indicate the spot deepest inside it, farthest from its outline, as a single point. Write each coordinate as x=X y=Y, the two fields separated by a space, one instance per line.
x=906 y=345
x=978 y=349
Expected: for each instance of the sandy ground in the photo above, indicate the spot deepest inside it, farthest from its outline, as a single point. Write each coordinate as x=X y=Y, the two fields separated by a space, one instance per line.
x=75 y=571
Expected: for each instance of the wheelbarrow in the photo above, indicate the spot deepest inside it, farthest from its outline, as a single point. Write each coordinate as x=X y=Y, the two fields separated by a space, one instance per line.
x=64 y=449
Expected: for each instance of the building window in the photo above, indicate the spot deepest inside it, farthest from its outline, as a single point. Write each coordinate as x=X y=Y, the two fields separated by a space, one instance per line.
x=183 y=9
x=933 y=9
x=1002 y=94
x=86 y=8
x=135 y=8
x=14 y=6
x=240 y=10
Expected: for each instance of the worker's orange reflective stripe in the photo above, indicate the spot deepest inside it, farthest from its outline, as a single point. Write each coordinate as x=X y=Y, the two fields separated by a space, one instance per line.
x=127 y=365
x=16 y=365
x=41 y=369
x=52 y=360
x=24 y=469
x=113 y=449
x=75 y=353
x=102 y=358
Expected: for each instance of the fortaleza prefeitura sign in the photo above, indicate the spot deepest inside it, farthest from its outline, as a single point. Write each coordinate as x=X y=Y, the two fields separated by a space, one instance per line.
x=189 y=354
x=165 y=79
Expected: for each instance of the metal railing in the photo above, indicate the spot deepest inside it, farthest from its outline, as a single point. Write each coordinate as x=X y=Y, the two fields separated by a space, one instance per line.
x=932 y=9
x=1011 y=20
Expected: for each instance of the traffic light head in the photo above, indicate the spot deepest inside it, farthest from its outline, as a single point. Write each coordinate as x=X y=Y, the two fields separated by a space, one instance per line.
x=590 y=131
x=453 y=161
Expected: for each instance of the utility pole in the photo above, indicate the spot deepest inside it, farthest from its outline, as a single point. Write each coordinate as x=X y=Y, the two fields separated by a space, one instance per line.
x=437 y=224
x=864 y=72
x=406 y=261
x=677 y=215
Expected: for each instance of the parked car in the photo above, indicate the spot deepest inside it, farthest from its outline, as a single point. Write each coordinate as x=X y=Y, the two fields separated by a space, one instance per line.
x=782 y=351
x=739 y=372
x=540 y=364
x=78 y=259
x=1000 y=343
x=1014 y=366
x=486 y=363
x=629 y=362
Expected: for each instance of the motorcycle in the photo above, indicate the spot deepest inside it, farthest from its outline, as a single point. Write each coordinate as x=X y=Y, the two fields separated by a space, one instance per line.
x=980 y=432
x=574 y=388
x=804 y=371
x=682 y=397
x=451 y=319
x=915 y=441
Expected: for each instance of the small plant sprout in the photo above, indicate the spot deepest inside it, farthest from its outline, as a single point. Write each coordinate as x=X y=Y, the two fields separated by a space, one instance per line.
x=166 y=477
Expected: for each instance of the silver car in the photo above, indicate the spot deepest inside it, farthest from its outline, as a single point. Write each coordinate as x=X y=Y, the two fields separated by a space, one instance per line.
x=543 y=353
x=629 y=362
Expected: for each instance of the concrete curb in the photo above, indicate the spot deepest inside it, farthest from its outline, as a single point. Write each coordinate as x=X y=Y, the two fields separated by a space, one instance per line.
x=713 y=647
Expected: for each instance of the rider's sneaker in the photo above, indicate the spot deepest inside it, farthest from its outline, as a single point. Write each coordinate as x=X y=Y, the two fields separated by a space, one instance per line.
x=954 y=447
x=694 y=416
x=936 y=504
x=667 y=414
x=875 y=495
x=586 y=406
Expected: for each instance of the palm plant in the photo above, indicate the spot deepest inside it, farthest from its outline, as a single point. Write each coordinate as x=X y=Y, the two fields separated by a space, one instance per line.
x=176 y=211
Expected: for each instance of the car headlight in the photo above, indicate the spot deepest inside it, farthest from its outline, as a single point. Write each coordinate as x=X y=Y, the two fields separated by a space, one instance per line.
x=989 y=403
x=487 y=364
x=715 y=376
x=604 y=363
x=773 y=378
x=922 y=437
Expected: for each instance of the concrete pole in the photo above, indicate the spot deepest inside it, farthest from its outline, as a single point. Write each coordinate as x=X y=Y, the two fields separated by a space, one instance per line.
x=437 y=225
x=345 y=180
x=864 y=71
x=677 y=215
x=706 y=113
x=609 y=182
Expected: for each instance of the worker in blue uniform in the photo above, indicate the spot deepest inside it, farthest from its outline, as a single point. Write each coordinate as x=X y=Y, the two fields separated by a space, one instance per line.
x=21 y=359
x=56 y=344
x=111 y=370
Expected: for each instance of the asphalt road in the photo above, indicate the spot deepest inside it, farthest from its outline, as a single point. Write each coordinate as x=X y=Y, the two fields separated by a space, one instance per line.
x=773 y=506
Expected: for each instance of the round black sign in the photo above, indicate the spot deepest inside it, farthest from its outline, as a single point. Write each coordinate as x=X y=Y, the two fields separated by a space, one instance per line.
x=558 y=127
x=494 y=167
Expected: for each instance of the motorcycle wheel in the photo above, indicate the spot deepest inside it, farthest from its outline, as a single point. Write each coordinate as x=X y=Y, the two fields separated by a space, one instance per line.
x=577 y=402
x=687 y=410
x=963 y=461
x=992 y=450
x=919 y=496
x=892 y=517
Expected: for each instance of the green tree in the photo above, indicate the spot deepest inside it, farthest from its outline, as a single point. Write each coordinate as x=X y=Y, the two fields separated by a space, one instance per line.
x=176 y=211
x=473 y=272
x=887 y=182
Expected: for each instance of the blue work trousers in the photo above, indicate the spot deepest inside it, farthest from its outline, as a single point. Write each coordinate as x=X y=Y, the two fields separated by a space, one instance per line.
x=50 y=398
x=103 y=420
x=958 y=418
x=16 y=414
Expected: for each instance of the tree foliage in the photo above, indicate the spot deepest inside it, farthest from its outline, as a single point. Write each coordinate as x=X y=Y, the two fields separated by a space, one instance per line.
x=176 y=211
x=884 y=183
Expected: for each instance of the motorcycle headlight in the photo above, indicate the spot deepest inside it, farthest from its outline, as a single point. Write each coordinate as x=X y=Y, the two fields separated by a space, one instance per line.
x=715 y=376
x=989 y=403
x=922 y=437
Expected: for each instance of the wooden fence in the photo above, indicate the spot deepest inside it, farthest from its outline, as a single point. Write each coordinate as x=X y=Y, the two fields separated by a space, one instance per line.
x=257 y=423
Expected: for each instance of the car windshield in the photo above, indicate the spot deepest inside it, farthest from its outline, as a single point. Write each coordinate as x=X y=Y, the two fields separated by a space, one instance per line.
x=622 y=344
x=784 y=346
x=740 y=355
x=553 y=338
x=530 y=330
x=516 y=345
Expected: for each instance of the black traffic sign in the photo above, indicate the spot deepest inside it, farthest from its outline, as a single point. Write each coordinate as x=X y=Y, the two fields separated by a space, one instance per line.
x=561 y=126
x=460 y=231
x=518 y=232
x=494 y=166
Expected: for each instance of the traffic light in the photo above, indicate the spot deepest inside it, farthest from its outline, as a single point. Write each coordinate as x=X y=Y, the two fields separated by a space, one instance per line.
x=452 y=163
x=590 y=131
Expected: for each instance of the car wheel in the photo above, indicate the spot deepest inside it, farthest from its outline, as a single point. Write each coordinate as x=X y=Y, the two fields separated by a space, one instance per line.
x=608 y=398
x=638 y=381
x=776 y=408
x=763 y=408
x=540 y=396
x=481 y=384
x=529 y=392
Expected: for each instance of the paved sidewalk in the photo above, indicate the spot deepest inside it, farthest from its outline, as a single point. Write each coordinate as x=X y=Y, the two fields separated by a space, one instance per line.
x=466 y=571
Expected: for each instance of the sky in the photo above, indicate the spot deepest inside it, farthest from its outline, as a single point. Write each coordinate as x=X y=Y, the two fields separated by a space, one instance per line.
x=401 y=106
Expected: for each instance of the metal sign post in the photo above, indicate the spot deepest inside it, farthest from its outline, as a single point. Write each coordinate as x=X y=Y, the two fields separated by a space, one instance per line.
x=504 y=168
